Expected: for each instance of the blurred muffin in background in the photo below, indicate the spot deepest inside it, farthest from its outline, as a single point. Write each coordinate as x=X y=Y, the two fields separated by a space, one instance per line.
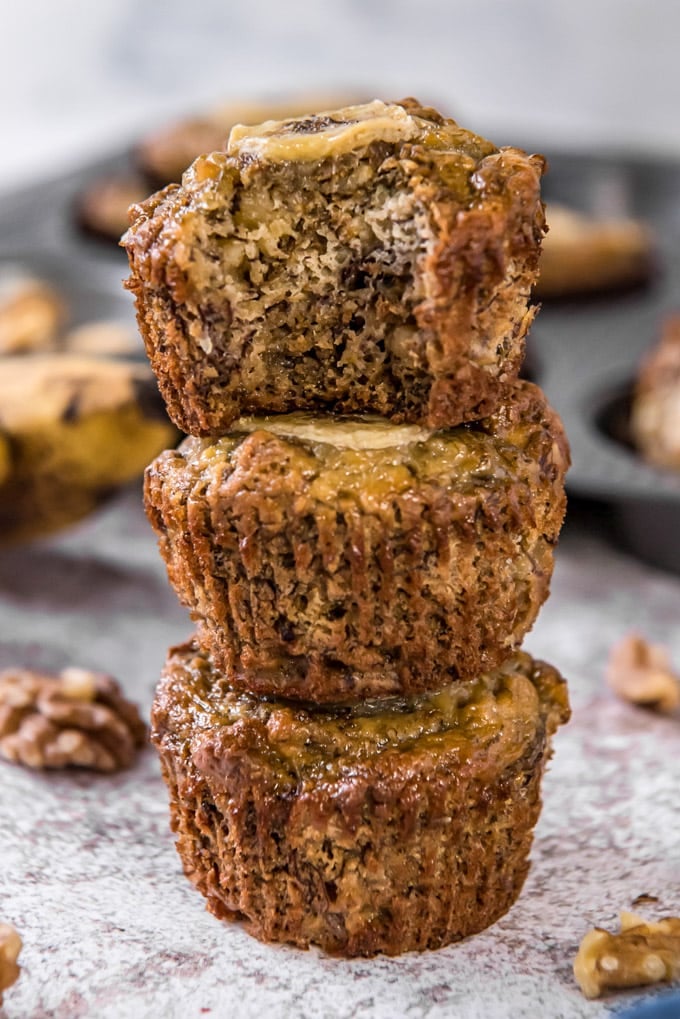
x=104 y=339
x=80 y=412
x=102 y=208
x=584 y=254
x=36 y=317
x=73 y=429
x=32 y=313
x=655 y=412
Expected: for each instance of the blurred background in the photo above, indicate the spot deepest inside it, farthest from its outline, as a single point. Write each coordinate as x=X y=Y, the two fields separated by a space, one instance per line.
x=80 y=79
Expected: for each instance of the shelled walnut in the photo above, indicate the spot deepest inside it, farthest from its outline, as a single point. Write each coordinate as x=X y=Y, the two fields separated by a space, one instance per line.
x=77 y=718
x=642 y=953
x=10 y=946
x=642 y=673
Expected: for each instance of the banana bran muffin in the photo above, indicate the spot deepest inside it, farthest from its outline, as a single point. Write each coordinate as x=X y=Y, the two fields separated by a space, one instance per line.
x=392 y=826
x=377 y=258
x=655 y=409
x=73 y=429
x=332 y=559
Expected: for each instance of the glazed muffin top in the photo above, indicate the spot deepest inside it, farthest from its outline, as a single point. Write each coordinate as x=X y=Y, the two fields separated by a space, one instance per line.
x=373 y=258
x=362 y=177
x=334 y=133
x=493 y=719
x=368 y=459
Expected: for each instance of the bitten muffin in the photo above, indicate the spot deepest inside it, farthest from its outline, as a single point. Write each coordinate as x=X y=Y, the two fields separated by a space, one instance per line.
x=339 y=558
x=377 y=258
x=655 y=412
x=394 y=826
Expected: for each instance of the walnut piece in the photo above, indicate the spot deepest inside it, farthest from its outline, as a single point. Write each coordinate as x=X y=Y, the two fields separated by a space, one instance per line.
x=10 y=946
x=76 y=718
x=642 y=953
x=642 y=673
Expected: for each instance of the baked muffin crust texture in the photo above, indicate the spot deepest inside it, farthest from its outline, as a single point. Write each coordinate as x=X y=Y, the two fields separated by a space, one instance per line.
x=391 y=826
x=377 y=258
x=334 y=559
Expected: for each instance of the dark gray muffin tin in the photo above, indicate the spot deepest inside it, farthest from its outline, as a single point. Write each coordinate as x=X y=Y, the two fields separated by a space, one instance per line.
x=39 y=235
x=583 y=351
x=588 y=351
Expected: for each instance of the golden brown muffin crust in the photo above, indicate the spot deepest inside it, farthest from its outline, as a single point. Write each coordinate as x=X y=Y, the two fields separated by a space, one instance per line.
x=394 y=826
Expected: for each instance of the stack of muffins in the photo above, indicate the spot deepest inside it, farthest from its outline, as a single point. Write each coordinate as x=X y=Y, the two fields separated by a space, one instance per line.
x=361 y=523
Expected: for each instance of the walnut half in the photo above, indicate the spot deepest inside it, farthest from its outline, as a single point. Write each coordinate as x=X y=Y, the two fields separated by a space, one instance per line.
x=76 y=718
x=10 y=946
x=641 y=673
x=642 y=953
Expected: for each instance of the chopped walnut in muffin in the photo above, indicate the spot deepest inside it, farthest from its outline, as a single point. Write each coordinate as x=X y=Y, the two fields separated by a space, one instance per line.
x=77 y=718
x=642 y=673
x=642 y=953
x=10 y=946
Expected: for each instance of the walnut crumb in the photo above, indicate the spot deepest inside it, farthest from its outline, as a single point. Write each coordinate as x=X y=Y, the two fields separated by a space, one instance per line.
x=642 y=953
x=642 y=673
x=645 y=899
x=10 y=946
x=77 y=718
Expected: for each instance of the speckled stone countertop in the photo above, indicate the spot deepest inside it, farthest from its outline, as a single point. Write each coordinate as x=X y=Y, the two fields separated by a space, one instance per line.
x=111 y=928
